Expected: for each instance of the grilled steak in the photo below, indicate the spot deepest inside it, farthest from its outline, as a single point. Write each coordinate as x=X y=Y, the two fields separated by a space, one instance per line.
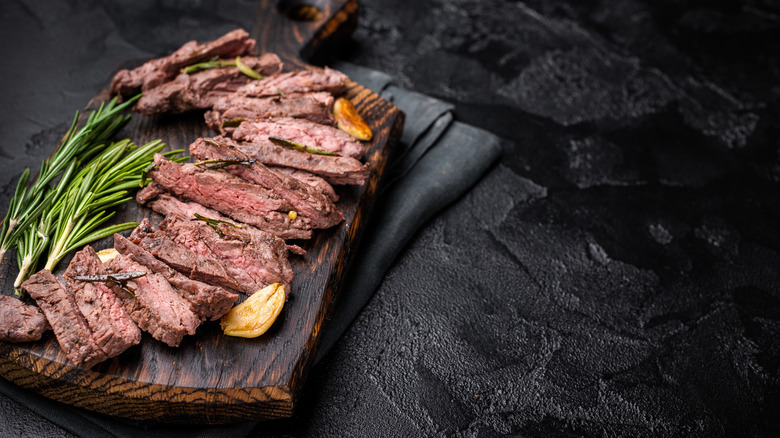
x=20 y=322
x=232 y=197
x=154 y=305
x=326 y=138
x=199 y=267
x=255 y=260
x=197 y=91
x=335 y=170
x=165 y=204
x=301 y=81
x=208 y=302
x=158 y=71
x=70 y=327
x=309 y=178
x=305 y=199
x=113 y=329
x=317 y=107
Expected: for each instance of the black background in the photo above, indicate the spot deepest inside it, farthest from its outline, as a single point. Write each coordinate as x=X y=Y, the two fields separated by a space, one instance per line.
x=617 y=273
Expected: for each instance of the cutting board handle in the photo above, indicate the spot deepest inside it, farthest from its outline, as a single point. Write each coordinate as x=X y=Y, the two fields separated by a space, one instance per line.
x=294 y=29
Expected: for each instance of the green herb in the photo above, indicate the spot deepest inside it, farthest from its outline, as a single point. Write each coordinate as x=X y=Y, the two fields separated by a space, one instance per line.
x=29 y=203
x=281 y=92
x=217 y=63
x=214 y=223
x=224 y=162
x=232 y=123
x=213 y=63
x=299 y=147
x=247 y=70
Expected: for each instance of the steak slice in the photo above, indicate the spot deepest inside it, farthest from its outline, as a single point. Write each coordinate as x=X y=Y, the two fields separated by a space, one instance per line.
x=197 y=91
x=317 y=107
x=335 y=170
x=326 y=138
x=154 y=306
x=158 y=71
x=305 y=199
x=70 y=327
x=196 y=266
x=300 y=81
x=232 y=197
x=309 y=178
x=164 y=203
x=208 y=302
x=255 y=260
x=20 y=322
x=113 y=329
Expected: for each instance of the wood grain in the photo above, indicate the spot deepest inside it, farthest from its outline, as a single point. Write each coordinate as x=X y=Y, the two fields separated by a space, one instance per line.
x=212 y=378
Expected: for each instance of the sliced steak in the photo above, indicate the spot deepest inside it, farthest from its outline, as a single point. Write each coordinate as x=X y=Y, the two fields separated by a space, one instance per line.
x=158 y=71
x=305 y=199
x=255 y=260
x=317 y=107
x=154 y=305
x=113 y=329
x=196 y=266
x=165 y=204
x=198 y=91
x=301 y=81
x=20 y=322
x=232 y=197
x=309 y=178
x=207 y=301
x=335 y=170
x=70 y=327
x=326 y=138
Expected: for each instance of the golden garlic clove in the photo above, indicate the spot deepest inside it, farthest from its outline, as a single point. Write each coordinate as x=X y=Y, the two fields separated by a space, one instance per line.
x=255 y=316
x=350 y=121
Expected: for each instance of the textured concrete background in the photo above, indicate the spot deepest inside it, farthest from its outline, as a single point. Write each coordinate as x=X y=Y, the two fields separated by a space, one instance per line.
x=617 y=274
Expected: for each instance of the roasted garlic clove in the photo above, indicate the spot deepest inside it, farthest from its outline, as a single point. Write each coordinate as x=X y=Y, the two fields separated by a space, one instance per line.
x=350 y=121
x=255 y=316
x=107 y=254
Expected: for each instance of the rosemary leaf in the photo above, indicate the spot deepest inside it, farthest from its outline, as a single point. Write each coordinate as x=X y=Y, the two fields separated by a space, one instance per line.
x=299 y=147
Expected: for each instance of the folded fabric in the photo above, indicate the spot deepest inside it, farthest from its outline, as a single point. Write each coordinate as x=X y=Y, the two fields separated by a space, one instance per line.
x=437 y=161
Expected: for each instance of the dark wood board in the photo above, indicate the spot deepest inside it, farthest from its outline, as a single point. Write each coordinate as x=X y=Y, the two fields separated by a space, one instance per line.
x=212 y=378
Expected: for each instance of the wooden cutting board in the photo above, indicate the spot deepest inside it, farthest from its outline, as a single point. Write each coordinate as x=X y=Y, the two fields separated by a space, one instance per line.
x=212 y=378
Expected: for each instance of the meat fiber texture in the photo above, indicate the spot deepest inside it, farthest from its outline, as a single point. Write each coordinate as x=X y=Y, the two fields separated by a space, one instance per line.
x=158 y=71
x=198 y=91
x=326 y=138
x=71 y=329
x=309 y=178
x=232 y=197
x=255 y=260
x=113 y=329
x=301 y=81
x=155 y=306
x=335 y=170
x=305 y=199
x=207 y=301
x=316 y=106
x=20 y=322
x=201 y=267
x=164 y=203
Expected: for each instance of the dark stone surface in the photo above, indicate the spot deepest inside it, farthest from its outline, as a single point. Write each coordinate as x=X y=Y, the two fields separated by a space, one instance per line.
x=617 y=274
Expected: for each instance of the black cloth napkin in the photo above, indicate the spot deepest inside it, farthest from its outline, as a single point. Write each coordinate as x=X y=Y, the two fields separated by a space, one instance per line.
x=437 y=160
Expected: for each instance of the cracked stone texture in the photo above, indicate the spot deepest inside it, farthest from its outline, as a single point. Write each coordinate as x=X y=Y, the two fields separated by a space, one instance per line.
x=616 y=274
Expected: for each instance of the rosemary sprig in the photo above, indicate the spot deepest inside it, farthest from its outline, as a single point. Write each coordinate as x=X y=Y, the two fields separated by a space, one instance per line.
x=299 y=147
x=224 y=162
x=98 y=187
x=30 y=202
x=232 y=123
x=120 y=279
x=217 y=63
x=214 y=223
